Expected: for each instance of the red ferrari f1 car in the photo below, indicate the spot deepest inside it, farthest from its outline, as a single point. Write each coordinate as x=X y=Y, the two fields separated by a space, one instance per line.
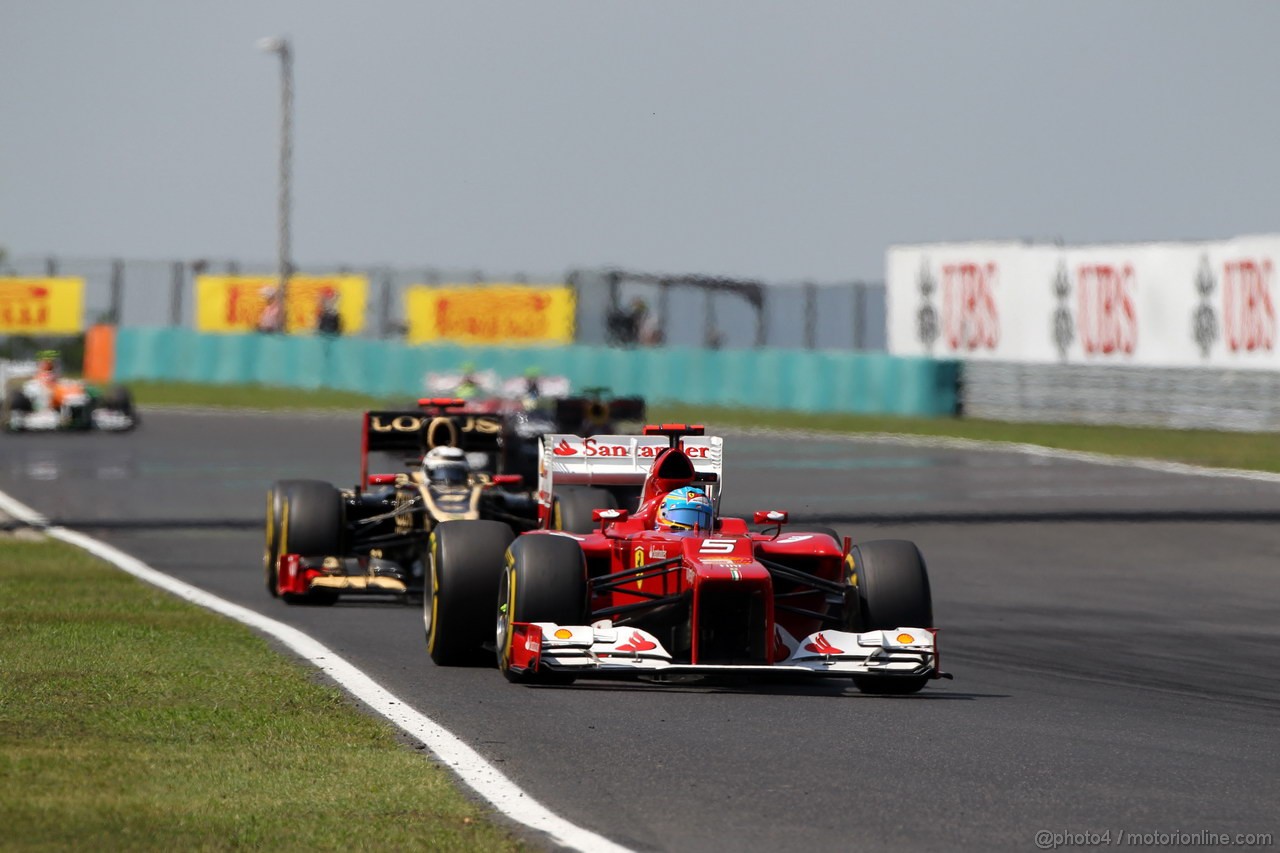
x=668 y=589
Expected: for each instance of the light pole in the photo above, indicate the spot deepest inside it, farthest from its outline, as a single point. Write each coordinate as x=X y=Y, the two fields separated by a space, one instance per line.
x=280 y=46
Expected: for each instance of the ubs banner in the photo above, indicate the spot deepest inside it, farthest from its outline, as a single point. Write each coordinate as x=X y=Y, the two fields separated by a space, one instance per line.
x=36 y=306
x=1210 y=304
x=497 y=313
x=237 y=303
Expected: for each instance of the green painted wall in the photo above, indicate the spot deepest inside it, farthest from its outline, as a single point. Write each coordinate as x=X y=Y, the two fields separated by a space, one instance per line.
x=798 y=380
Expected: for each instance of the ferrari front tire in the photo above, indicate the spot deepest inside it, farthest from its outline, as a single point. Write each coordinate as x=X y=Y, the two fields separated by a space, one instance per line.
x=889 y=589
x=545 y=581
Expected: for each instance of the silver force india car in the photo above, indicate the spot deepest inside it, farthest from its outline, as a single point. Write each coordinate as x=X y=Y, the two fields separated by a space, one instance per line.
x=667 y=588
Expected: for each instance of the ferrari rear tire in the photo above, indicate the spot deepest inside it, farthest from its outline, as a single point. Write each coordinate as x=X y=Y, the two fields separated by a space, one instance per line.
x=571 y=508
x=311 y=525
x=545 y=581
x=889 y=590
x=465 y=566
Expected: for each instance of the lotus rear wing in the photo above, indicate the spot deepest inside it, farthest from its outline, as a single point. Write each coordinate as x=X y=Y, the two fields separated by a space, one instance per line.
x=411 y=434
x=619 y=460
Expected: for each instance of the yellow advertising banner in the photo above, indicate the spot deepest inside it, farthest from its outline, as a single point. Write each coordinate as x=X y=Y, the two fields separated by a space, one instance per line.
x=244 y=303
x=53 y=306
x=498 y=313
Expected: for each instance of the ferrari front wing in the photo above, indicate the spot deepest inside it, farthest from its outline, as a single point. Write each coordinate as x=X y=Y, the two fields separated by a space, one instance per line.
x=605 y=651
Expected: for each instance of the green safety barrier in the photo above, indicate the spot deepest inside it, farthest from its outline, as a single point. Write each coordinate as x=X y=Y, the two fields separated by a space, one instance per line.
x=765 y=378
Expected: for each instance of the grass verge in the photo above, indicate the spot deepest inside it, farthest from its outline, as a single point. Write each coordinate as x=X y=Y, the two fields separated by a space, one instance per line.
x=1256 y=451
x=132 y=720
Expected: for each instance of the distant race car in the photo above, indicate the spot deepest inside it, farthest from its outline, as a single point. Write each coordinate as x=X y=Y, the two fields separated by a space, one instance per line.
x=322 y=542
x=671 y=590
x=596 y=412
x=37 y=398
x=535 y=405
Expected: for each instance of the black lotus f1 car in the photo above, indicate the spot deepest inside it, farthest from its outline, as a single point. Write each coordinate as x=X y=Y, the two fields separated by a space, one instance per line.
x=322 y=541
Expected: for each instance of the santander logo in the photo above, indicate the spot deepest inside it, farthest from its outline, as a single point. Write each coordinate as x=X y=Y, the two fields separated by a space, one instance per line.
x=564 y=449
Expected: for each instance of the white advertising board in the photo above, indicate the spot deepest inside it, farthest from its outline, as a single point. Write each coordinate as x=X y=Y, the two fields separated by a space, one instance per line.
x=1209 y=304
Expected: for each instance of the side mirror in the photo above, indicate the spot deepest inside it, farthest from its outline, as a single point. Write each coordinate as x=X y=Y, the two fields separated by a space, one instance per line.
x=769 y=516
x=507 y=479
x=609 y=516
x=382 y=479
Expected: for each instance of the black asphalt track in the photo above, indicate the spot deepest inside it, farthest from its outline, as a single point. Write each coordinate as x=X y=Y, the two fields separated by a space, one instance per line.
x=1113 y=634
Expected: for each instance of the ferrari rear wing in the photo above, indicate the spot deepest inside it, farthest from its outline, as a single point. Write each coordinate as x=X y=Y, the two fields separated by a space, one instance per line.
x=619 y=460
x=413 y=433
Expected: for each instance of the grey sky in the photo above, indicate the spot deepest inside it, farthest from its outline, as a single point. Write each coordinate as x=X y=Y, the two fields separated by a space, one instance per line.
x=786 y=140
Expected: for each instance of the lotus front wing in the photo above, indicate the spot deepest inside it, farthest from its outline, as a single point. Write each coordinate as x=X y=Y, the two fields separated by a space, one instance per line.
x=610 y=652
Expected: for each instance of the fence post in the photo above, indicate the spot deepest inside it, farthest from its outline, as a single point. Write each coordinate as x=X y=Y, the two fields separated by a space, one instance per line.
x=116 y=310
x=708 y=318
x=615 y=290
x=664 y=307
x=761 y=334
x=384 y=310
x=571 y=282
x=810 y=315
x=176 y=282
x=859 y=315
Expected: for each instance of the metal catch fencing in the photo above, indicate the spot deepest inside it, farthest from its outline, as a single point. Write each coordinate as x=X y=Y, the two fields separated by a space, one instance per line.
x=615 y=307
x=1176 y=398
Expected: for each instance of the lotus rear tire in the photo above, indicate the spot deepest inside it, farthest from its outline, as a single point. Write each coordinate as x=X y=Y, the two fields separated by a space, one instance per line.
x=271 y=548
x=311 y=525
x=465 y=567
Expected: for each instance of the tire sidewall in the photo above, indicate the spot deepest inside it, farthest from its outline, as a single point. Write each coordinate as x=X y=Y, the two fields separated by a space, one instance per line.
x=544 y=580
x=466 y=561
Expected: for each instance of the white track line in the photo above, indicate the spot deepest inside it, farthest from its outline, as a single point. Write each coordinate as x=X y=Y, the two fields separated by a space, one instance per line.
x=950 y=443
x=483 y=777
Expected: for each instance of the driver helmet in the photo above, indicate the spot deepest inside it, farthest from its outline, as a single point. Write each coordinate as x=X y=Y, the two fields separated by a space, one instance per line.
x=683 y=508
x=48 y=363
x=446 y=466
